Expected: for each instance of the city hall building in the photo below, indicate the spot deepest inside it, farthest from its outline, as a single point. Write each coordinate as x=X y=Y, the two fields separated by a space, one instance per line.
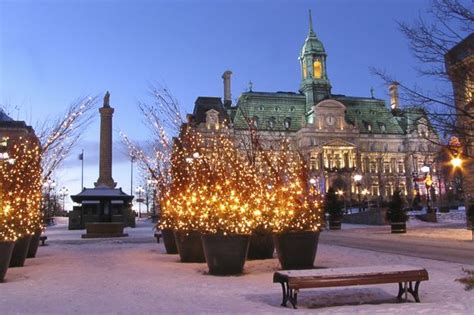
x=339 y=135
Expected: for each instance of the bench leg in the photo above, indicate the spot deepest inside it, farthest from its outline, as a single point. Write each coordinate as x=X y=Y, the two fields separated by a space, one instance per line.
x=289 y=295
x=404 y=288
x=285 y=295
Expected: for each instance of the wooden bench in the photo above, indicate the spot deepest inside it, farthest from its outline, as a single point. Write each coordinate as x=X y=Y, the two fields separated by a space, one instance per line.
x=293 y=280
x=43 y=239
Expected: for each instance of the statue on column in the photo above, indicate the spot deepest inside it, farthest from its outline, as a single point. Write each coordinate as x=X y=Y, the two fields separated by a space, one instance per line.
x=107 y=99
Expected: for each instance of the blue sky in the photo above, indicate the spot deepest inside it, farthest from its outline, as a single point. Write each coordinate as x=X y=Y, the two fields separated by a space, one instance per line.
x=52 y=52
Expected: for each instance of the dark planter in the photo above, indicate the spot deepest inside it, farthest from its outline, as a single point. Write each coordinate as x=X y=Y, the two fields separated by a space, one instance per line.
x=334 y=224
x=169 y=241
x=6 y=250
x=189 y=246
x=34 y=243
x=20 y=250
x=398 y=227
x=261 y=246
x=225 y=254
x=296 y=250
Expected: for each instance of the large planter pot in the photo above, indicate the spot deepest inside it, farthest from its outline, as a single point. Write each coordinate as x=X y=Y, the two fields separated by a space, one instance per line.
x=6 y=250
x=261 y=246
x=34 y=243
x=334 y=224
x=20 y=251
x=225 y=254
x=189 y=246
x=398 y=227
x=296 y=250
x=169 y=241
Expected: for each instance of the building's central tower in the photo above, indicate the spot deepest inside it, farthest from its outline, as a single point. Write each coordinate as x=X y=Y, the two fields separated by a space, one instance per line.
x=314 y=80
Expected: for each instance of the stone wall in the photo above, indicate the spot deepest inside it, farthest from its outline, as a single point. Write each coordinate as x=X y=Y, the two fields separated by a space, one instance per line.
x=369 y=217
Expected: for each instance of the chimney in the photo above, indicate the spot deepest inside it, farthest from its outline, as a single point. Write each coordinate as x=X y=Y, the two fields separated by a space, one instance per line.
x=393 y=90
x=227 y=95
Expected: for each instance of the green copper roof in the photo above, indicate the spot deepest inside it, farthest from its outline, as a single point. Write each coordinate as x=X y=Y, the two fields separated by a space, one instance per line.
x=312 y=44
x=369 y=115
x=270 y=110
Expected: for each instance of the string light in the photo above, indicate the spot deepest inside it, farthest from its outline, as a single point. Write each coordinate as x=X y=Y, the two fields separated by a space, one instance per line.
x=20 y=188
x=214 y=189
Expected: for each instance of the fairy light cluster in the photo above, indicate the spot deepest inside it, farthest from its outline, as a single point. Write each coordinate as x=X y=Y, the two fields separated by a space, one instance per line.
x=215 y=189
x=20 y=188
x=294 y=202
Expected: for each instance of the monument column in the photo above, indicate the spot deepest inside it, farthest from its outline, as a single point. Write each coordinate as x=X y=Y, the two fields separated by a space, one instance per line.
x=105 y=162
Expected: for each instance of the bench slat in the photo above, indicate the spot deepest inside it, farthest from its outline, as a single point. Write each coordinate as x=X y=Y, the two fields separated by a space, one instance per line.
x=350 y=276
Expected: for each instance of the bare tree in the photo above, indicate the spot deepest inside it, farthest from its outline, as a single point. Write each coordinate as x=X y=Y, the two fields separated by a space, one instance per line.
x=430 y=41
x=58 y=137
x=163 y=116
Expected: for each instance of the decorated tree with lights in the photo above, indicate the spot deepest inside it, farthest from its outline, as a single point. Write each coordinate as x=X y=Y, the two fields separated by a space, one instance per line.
x=20 y=188
x=214 y=190
x=295 y=204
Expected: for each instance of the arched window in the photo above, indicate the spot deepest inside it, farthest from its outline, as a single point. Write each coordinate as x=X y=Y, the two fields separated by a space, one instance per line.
x=255 y=121
x=305 y=70
x=317 y=69
x=287 y=123
x=271 y=123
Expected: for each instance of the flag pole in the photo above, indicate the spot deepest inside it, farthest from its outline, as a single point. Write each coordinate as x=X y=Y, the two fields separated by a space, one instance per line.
x=82 y=170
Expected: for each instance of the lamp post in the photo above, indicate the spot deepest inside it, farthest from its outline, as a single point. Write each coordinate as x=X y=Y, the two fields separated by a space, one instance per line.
x=49 y=185
x=153 y=182
x=428 y=184
x=63 y=192
x=357 y=179
x=139 y=191
x=364 y=193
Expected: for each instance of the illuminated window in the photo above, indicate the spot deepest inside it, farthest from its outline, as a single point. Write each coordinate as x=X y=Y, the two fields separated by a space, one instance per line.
x=317 y=69
x=305 y=70
x=287 y=123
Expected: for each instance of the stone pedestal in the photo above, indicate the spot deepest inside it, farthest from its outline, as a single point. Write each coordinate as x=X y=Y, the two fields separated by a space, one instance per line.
x=104 y=230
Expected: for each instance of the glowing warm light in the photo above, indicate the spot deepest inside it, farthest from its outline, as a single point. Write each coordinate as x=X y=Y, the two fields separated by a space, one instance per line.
x=221 y=192
x=456 y=162
x=357 y=177
x=425 y=169
x=20 y=188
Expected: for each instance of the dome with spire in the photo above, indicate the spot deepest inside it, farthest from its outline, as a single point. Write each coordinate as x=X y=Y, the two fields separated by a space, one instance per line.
x=312 y=44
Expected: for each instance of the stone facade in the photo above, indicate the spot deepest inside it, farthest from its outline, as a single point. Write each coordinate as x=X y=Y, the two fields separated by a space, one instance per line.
x=460 y=65
x=339 y=135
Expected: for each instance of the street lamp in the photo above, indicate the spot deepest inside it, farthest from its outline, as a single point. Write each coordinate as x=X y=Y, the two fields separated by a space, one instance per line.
x=63 y=192
x=49 y=185
x=428 y=184
x=357 y=179
x=139 y=191
x=456 y=162
x=153 y=182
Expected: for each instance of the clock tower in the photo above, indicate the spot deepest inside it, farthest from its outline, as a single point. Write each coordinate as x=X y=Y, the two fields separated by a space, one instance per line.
x=314 y=80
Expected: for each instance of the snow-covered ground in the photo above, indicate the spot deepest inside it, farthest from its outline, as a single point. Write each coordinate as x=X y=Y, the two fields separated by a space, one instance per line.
x=133 y=276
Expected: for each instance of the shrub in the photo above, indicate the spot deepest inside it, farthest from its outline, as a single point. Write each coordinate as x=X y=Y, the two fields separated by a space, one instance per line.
x=332 y=205
x=396 y=211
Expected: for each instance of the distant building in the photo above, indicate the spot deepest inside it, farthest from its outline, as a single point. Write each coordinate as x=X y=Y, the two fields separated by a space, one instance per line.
x=340 y=135
x=460 y=67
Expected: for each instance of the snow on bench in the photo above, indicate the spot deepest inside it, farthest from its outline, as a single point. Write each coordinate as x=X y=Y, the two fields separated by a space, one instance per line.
x=294 y=280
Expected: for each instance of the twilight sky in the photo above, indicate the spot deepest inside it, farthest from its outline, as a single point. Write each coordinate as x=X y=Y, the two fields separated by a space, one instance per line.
x=52 y=52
